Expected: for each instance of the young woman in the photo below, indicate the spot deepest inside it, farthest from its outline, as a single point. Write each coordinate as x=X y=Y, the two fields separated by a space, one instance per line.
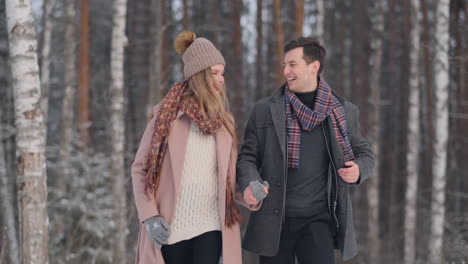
x=184 y=171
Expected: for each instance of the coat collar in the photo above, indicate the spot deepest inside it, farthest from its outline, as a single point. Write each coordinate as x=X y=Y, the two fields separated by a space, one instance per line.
x=278 y=115
x=179 y=114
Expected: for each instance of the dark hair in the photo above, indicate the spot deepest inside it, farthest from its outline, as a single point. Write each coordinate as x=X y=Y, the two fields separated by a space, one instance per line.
x=312 y=50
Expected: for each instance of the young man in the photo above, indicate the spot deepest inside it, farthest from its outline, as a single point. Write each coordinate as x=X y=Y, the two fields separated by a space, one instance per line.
x=302 y=150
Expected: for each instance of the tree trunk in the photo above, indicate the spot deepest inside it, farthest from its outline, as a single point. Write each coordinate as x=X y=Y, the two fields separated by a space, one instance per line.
x=119 y=41
x=30 y=133
x=454 y=181
x=215 y=22
x=238 y=97
x=428 y=128
x=45 y=55
x=186 y=18
x=412 y=156
x=8 y=212
x=8 y=215
x=84 y=121
x=260 y=89
x=463 y=90
x=299 y=17
x=441 y=75
x=154 y=89
x=66 y=137
x=374 y=126
x=166 y=22
x=428 y=83
x=320 y=20
x=279 y=42
x=346 y=48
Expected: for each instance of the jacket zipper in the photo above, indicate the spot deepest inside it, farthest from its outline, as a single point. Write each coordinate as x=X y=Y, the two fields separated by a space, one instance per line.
x=334 y=174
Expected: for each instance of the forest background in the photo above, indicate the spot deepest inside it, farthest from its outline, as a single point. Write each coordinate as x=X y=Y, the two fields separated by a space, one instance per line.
x=78 y=79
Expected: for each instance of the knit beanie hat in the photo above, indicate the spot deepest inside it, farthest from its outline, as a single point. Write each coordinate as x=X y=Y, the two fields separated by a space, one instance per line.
x=197 y=53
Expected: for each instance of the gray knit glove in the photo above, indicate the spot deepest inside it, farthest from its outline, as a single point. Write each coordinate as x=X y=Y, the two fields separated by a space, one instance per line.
x=158 y=230
x=257 y=189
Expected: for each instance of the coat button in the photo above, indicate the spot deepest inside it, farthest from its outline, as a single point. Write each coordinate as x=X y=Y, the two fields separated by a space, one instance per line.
x=276 y=211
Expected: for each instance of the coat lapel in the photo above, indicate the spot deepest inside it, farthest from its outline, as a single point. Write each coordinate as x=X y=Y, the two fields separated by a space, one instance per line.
x=223 y=154
x=337 y=153
x=278 y=115
x=177 y=145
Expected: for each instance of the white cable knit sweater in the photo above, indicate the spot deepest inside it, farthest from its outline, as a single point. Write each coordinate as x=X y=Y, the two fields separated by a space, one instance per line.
x=197 y=204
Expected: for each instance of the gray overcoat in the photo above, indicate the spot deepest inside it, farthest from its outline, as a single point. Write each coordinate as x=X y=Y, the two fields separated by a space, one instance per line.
x=263 y=156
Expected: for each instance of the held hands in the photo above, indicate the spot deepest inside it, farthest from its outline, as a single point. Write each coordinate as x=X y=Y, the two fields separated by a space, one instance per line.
x=255 y=192
x=350 y=174
x=158 y=230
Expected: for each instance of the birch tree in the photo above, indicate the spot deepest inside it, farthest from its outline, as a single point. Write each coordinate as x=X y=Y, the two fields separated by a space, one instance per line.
x=377 y=19
x=413 y=134
x=439 y=165
x=119 y=41
x=30 y=133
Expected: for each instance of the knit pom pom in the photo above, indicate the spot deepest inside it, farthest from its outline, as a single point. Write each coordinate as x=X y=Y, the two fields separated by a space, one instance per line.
x=184 y=40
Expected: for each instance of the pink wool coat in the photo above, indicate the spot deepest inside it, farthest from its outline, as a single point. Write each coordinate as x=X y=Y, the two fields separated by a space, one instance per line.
x=169 y=187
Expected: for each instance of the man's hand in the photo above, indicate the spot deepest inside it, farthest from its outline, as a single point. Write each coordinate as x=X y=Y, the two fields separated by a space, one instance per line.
x=255 y=192
x=158 y=229
x=350 y=174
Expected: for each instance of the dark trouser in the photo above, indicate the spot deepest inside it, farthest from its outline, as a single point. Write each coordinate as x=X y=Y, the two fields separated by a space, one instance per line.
x=205 y=248
x=313 y=243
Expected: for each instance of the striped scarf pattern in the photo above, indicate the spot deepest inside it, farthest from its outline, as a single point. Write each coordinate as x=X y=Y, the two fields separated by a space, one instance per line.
x=299 y=116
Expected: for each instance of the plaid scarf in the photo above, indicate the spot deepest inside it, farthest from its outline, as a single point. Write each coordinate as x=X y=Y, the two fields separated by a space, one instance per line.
x=300 y=116
x=167 y=114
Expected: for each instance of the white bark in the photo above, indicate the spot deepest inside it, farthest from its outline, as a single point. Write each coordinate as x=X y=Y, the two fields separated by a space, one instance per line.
x=30 y=136
x=119 y=42
x=8 y=212
x=374 y=134
x=69 y=94
x=441 y=77
x=413 y=135
x=154 y=94
x=45 y=56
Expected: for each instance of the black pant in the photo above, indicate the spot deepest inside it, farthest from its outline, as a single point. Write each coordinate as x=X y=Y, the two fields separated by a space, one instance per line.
x=205 y=248
x=311 y=243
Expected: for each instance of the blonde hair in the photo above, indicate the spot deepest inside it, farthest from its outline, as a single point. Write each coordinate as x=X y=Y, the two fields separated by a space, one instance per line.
x=211 y=98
